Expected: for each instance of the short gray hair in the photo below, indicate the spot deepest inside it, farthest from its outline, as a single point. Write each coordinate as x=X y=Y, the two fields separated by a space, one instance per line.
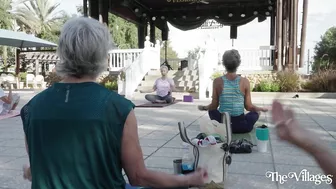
x=231 y=60
x=83 y=48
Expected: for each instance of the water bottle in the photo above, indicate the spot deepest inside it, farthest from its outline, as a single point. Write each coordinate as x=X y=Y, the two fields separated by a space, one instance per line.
x=187 y=159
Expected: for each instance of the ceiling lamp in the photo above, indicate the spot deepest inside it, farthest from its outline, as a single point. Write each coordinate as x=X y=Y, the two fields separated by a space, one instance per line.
x=270 y=8
x=162 y=17
x=153 y=18
x=198 y=17
x=136 y=10
x=217 y=17
x=255 y=12
x=242 y=15
x=230 y=15
x=267 y=13
x=144 y=14
x=184 y=17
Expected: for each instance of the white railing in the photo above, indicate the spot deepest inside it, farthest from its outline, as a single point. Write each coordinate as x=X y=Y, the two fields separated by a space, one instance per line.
x=118 y=58
x=136 y=70
x=251 y=60
x=255 y=60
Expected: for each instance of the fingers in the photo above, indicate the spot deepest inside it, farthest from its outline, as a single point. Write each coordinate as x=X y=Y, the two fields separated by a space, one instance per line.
x=289 y=114
x=277 y=112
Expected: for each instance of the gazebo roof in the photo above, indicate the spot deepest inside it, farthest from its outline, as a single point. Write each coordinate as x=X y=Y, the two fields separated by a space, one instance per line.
x=191 y=14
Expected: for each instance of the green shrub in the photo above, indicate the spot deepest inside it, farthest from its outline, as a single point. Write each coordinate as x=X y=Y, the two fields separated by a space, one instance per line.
x=267 y=86
x=288 y=81
x=216 y=75
x=110 y=82
x=322 y=81
x=52 y=78
x=22 y=76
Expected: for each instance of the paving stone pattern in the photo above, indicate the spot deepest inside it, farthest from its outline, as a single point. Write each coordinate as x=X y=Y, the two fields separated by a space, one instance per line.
x=161 y=144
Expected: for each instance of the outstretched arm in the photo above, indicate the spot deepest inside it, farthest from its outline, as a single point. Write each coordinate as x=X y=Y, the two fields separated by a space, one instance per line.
x=150 y=90
x=136 y=171
x=248 y=102
x=216 y=90
x=288 y=129
x=6 y=99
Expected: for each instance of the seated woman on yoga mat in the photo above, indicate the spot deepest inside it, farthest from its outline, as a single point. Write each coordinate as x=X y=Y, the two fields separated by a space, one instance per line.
x=80 y=135
x=231 y=93
x=164 y=87
x=8 y=102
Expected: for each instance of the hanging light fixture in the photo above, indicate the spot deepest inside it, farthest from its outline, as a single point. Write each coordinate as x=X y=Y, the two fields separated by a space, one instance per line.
x=153 y=18
x=242 y=15
x=255 y=12
x=230 y=14
x=267 y=13
x=162 y=17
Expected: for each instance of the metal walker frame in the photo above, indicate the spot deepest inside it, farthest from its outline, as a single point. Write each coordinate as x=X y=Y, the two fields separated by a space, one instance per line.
x=227 y=159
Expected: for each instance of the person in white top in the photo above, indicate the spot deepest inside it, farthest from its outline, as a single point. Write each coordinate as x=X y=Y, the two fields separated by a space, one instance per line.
x=8 y=102
x=164 y=87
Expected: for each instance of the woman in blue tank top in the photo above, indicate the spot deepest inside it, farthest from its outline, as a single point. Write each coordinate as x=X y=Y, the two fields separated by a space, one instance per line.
x=231 y=93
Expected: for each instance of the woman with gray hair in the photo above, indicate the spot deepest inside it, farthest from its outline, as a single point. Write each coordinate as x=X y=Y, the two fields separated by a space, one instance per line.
x=81 y=135
x=231 y=93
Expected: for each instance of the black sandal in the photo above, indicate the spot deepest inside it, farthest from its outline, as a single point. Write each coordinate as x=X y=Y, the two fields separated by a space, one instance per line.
x=241 y=146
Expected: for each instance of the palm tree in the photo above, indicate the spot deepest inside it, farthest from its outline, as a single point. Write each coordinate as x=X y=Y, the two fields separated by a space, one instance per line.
x=39 y=17
x=6 y=19
x=6 y=22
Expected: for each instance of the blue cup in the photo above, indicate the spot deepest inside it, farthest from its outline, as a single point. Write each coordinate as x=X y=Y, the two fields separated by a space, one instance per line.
x=262 y=133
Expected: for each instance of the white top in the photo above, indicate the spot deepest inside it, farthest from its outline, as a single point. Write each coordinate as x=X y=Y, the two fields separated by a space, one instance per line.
x=164 y=86
x=2 y=94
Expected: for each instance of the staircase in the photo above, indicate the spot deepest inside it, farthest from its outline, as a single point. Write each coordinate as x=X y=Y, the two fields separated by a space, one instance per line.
x=186 y=82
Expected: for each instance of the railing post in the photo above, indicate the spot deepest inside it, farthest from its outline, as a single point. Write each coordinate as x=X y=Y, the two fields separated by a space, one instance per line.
x=158 y=51
x=202 y=80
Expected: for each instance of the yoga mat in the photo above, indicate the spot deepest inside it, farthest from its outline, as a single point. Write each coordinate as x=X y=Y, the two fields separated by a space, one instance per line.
x=156 y=105
x=10 y=115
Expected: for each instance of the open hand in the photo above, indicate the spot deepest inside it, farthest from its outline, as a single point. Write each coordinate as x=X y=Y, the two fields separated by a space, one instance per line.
x=27 y=173
x=198 y=178
x=201 y=108
x=287 y=127
x=264 y=109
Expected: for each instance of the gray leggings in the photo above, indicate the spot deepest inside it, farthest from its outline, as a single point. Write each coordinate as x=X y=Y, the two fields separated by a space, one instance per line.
x=152 y=98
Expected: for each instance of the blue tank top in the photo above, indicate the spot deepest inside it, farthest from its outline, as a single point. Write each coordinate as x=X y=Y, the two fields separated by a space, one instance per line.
x=231 y=100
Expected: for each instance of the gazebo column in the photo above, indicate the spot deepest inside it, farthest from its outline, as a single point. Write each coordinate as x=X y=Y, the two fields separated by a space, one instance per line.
x=303 y=32
x=142 y=32
x=279 y=36
x=103 y=11
x=272 y=37
x=85 y=8
x=152 y=31
x=17 y=60
x=94 y=9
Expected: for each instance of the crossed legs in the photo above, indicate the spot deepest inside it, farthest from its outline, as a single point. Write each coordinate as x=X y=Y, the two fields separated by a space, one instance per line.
x=158 y=99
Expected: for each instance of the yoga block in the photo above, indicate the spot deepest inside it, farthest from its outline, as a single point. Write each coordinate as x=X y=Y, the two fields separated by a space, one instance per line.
x=188 y=98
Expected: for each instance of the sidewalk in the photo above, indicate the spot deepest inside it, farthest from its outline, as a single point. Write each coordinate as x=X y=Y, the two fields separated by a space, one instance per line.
x=161 y=144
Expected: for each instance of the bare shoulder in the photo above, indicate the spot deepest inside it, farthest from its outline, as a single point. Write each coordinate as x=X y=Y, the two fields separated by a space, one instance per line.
x=245 y=80
x=218 y=80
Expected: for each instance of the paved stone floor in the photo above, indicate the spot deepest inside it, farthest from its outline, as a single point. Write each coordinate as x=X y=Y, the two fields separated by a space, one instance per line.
x=161 y=144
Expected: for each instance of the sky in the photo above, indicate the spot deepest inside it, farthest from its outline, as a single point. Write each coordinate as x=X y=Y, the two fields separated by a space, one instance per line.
x=321 y=16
